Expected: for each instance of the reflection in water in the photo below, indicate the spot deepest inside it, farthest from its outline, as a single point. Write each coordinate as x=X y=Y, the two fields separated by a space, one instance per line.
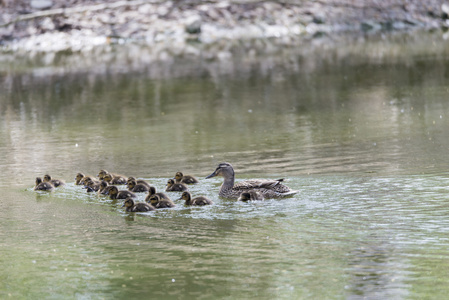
x=354 y=113
x=375 y=269
x=355 y=128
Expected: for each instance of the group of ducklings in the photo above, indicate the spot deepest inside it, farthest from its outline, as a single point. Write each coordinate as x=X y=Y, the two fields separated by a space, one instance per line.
x=107 y=182
x=48 y=184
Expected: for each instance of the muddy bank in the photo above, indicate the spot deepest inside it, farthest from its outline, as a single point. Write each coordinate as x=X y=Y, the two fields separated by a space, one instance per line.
x=80 y=25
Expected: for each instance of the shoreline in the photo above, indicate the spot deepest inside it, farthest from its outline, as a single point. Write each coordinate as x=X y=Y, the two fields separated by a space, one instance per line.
x=46 y=26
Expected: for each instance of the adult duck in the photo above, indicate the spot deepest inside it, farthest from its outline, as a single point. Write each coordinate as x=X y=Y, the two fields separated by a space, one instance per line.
x=267 y=187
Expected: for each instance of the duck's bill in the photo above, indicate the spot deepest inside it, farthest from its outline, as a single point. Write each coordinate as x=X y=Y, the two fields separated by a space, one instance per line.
x=123 y=205
x=212 y=175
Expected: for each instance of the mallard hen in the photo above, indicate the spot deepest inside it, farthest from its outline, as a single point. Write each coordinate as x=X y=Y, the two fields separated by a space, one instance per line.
x=267 y=187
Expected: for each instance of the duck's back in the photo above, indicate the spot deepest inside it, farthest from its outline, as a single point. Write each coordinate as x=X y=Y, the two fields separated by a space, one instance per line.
x=267 y=187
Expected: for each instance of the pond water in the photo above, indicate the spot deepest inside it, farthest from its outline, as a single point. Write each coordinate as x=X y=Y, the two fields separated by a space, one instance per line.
x=358 y=126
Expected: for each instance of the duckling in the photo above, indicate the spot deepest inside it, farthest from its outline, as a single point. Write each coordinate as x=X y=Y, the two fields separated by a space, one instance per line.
x=131 y=206
x=268 y=187
x=101 y=174
x=92 y=186
x=106 y=189
x=135 y=187
x=87 y=178
x=54 y=182
x=138 y=181
x=175 y=187
x=201 y=200
x=43 y=186
x=158 y=202
x=114 y=193
x=152 y=191
x=78 y=178
x=114 y=179
x=251 y=196
x=187 y=179
x=103 y=186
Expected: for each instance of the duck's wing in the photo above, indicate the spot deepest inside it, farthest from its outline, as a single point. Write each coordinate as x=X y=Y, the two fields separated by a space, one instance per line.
x=268 y=184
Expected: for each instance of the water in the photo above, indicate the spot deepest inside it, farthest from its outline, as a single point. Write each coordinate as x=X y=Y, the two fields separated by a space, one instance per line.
x=358 y=127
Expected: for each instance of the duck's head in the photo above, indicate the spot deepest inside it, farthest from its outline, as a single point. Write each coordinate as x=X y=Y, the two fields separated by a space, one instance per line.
x=102 y=173
x=186 y=196
x=151 y=191
x=130 y=178
x=154 y=199
x=112 y=191
x=224 y=169
x=107 y=177
x=131 y=184
x=178 y=176
x=38 y=180
x=47 y=178
x=79 y=176
x=170 y=182
x=129 y=202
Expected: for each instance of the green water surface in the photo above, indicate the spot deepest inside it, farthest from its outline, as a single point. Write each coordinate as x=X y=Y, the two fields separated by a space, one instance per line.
x=359 y=127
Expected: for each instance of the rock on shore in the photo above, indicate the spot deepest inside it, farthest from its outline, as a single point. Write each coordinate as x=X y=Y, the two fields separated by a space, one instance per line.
x=78 y=25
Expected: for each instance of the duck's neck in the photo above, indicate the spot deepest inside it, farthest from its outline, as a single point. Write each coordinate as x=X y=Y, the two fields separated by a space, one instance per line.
x=228 y=181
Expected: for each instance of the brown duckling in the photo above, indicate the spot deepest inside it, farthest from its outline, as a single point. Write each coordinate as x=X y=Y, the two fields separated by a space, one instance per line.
x=54 y=182
x=78 y=178
x=138 y=181
x=43 y=186
x=114 y=193
x=131 y=206
x=114 y=179
x=175 y=187
x=101 y=174
x=107 y=188
x=92 y=186
x=200 y=200
x=186 y=179
x=158 y=202
x=152 y=191
x=87 y=178
x=135 y=187
x=251 y=196
x=103 y=186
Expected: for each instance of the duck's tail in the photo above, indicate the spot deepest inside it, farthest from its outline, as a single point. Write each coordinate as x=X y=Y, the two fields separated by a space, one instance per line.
x=289 y=193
